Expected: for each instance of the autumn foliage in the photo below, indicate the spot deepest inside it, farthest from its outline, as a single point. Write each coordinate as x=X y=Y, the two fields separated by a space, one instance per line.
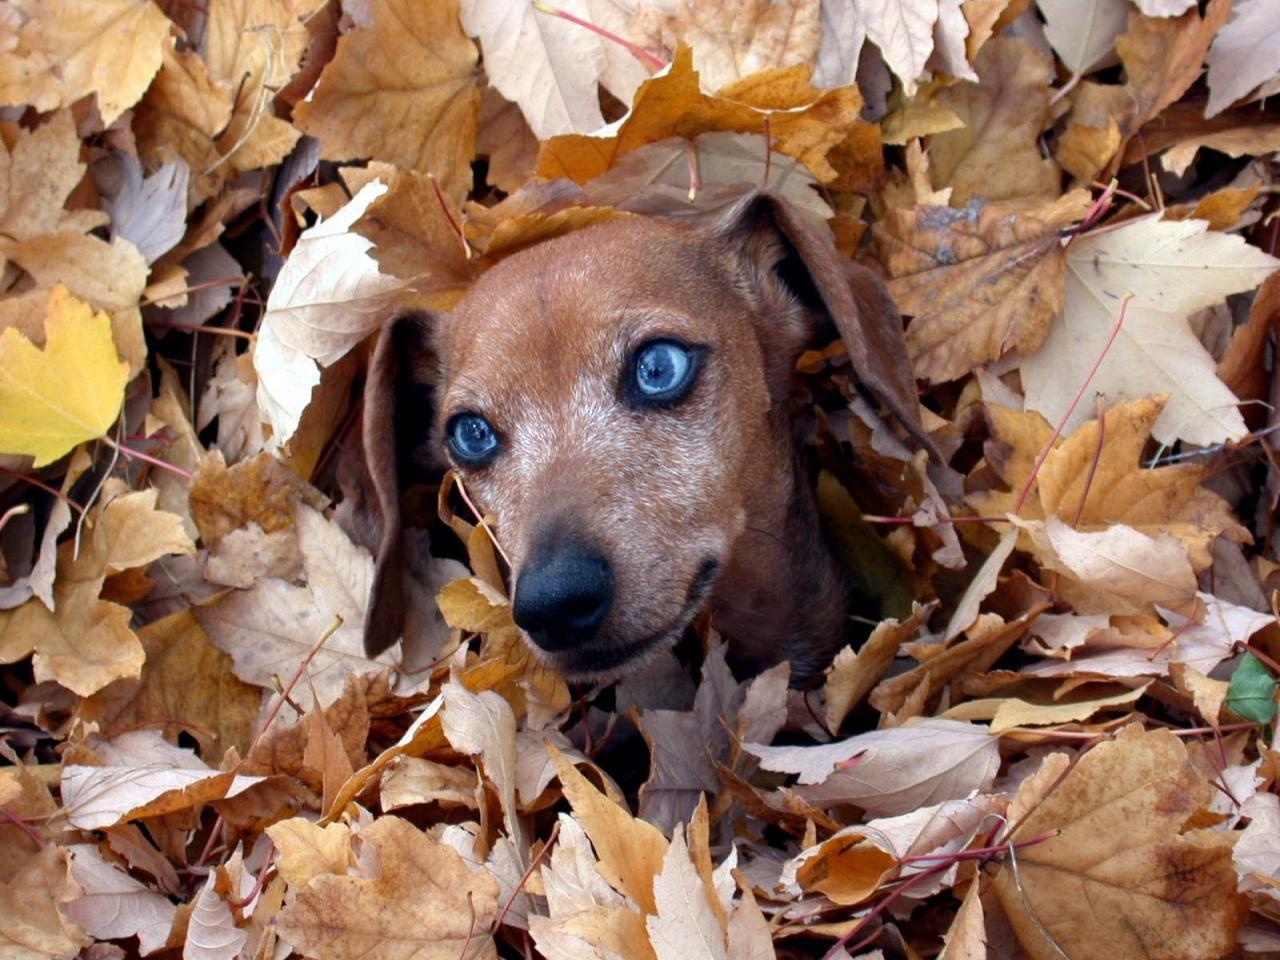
x=1055 y=740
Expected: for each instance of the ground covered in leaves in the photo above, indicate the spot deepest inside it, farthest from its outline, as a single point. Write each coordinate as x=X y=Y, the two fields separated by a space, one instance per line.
x=1056 y=740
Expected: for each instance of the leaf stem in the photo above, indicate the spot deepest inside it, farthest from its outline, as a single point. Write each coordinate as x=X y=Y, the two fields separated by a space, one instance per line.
x=1071 y=407
x=637 y=51
x=147 y=458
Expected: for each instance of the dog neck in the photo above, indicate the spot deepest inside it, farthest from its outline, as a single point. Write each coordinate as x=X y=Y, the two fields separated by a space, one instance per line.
x=782 y=594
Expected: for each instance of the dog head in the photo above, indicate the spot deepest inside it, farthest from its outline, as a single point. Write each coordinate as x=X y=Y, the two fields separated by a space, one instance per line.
x=616 y=398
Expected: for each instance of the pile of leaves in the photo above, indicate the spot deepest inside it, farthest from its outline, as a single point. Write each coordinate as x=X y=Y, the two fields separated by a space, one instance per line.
x=1056 y=740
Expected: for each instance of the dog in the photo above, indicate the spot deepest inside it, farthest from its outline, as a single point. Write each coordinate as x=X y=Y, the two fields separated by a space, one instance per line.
x=618 y=399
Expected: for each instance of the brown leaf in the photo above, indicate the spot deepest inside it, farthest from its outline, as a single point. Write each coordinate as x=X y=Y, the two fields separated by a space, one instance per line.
x=186 y=684
x=996 y=156
x=852 y=675
x=1119 y=877
x=404 y=90
x=414 y=897
x=805 y=123
x=978 y=282
x=631 y=851
x=1162 y=57
x=34 y=928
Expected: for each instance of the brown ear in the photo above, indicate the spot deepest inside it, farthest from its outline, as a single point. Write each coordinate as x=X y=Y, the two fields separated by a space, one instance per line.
x=839 y=293
x=396 y=426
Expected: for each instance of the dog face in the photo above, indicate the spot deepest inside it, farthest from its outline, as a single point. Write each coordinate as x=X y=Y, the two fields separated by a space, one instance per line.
x=606 y=396
x=616 y=398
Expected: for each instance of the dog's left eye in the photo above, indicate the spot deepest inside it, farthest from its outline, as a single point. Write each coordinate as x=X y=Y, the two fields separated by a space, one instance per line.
x=662 y=371
x=471 y=439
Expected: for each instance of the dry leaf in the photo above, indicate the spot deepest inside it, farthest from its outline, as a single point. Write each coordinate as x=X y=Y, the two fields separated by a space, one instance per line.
x=685 y=925
x=1155 y=352
x=64 y=52
x=113 y=905
x=631 y=851
x=144 y=776
x=69 y=392
x=1120 y=871
x=948 y=760
x=1244 y=55
x=996 y=156
x=1083 y=33
x=1094 y=487
x=403 y=90
x=978 y=282
x=548 y=66
x=414 y=896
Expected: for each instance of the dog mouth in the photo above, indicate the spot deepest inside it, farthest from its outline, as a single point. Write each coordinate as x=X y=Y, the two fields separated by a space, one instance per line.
x=607 y=662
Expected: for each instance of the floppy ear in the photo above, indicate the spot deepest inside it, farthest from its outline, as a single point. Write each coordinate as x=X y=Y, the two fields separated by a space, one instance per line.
x=783 y=244
x=397 y=422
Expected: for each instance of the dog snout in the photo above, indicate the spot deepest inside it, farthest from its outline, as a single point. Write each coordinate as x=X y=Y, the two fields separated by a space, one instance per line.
x=563 y=596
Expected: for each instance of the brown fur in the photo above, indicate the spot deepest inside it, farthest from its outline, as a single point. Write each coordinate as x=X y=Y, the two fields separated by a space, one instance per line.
x=539 y=345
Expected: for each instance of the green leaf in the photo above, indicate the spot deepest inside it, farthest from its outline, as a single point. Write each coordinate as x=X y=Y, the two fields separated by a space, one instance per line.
x=1252 y=692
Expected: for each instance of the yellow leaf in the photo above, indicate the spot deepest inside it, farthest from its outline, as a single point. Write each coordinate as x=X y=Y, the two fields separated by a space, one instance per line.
x=72 y=48
x=70 y=392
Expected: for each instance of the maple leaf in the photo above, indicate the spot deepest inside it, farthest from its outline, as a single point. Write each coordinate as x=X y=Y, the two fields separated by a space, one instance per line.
x=684 y=925
x=111 y=48
x=996 y=154
x=329 y=296
x=978 y=282
x=53 y=399
x=1118 y=869
x=414 y=896
x=114 y=904
x=551 y=67
x=1083 y=34
x=804 y=122
x=1244 y=54
x=142 y=775
x=958 y=758
x=1094 y=486
x=405 y=90
x=732 y=39
x=1155 y=352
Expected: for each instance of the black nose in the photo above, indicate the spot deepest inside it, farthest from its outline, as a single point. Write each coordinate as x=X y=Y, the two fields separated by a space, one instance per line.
x=563 y=595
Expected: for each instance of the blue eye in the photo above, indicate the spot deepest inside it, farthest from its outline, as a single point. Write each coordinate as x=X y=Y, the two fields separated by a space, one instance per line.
x=471 y=439
x=662 y=371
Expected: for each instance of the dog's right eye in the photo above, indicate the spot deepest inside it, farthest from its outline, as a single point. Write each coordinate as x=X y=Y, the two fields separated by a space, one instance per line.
x=471 y=439
x=661 y=373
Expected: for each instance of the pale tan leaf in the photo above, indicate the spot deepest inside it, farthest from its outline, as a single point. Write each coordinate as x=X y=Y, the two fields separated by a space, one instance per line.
x=421 y=900
x=894 y=771
x=732 y=39
x=114 y=905
x=483 y=725
x=903 y=30
x=1083 y=32
x=1245 y=53
x=548 y=66
x=684 y=926
x=211 y=929
x=305 y=850
x=1172 y=269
